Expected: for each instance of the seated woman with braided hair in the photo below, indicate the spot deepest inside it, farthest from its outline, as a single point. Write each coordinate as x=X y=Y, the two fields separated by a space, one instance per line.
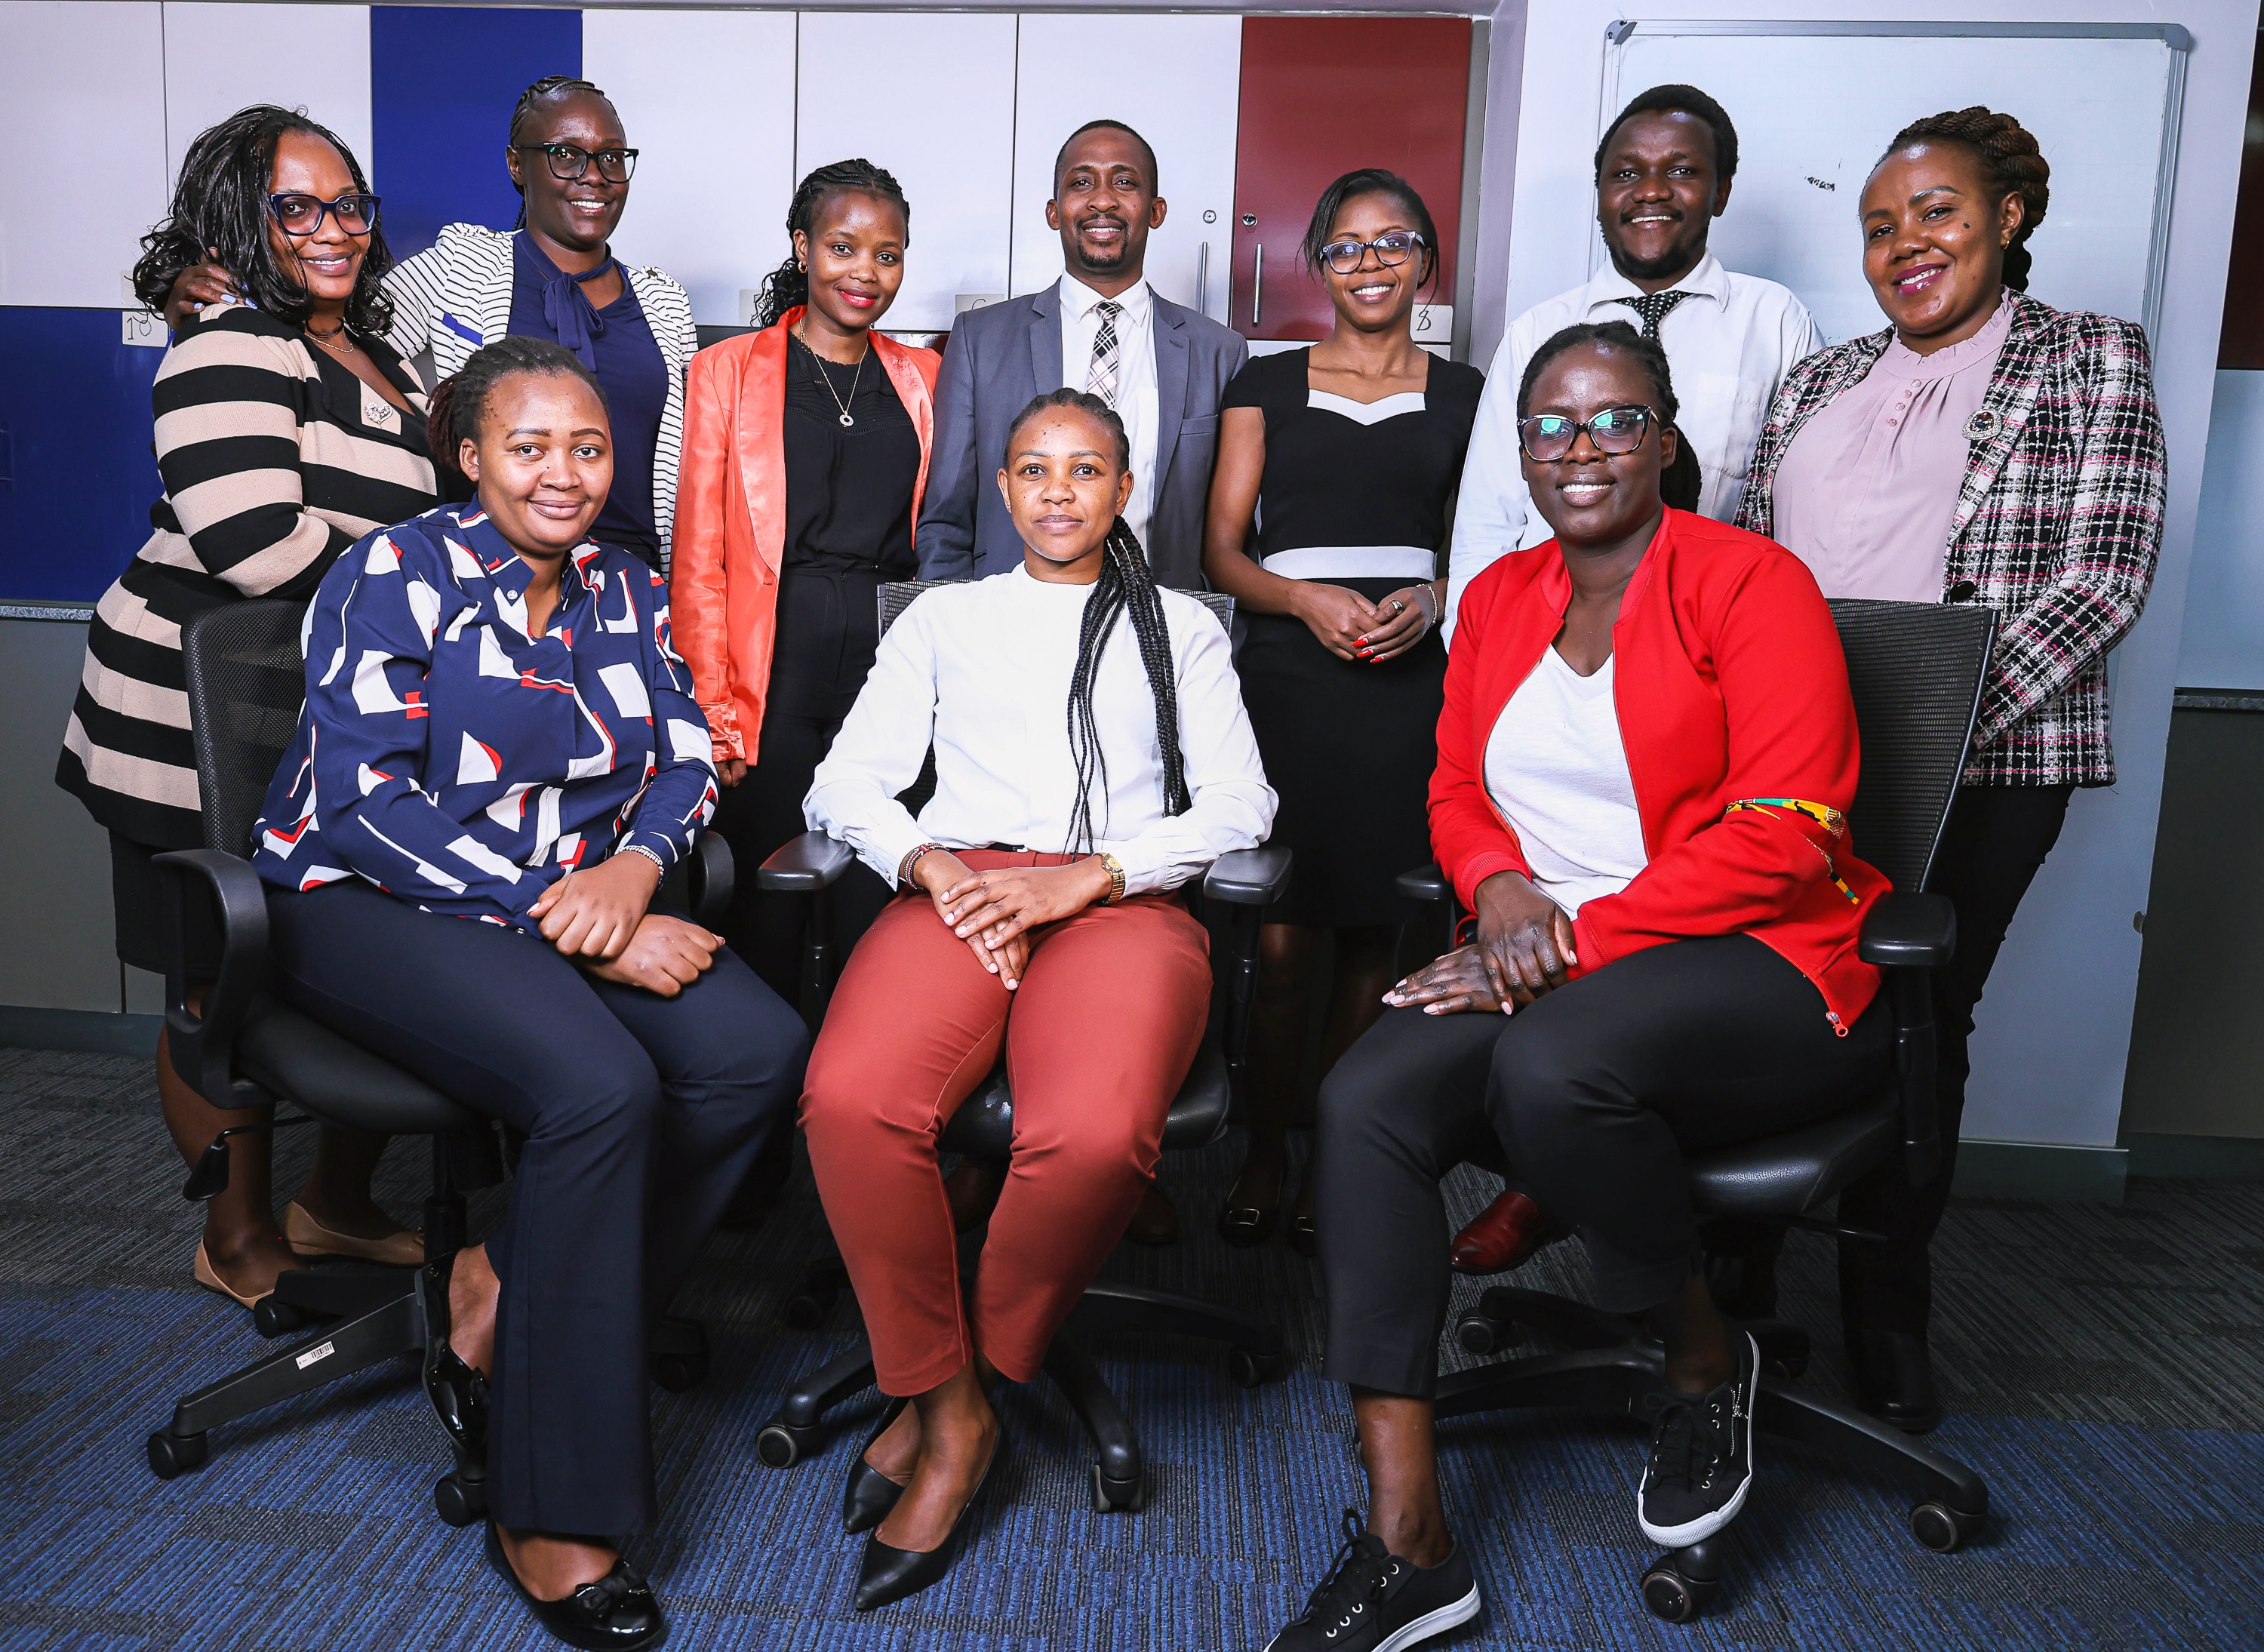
x=1092 y=755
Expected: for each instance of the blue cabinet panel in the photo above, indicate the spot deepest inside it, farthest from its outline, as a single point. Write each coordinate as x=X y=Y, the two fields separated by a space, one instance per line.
x=443 y=82
x=76 y=477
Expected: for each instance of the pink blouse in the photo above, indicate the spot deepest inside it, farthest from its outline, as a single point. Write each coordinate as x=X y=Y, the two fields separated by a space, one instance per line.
x=1865 y=493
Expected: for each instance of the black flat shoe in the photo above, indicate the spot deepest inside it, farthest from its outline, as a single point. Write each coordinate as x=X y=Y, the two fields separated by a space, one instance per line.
x=886 y=1574
x=1305 y=1236
x=457 y=1393
x=1246 y=1226
x=1894 y=1378
x=617 y=1613
x=868 y=1494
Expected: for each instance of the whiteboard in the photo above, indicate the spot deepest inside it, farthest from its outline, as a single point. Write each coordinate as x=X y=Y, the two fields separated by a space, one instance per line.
x=1815 y=105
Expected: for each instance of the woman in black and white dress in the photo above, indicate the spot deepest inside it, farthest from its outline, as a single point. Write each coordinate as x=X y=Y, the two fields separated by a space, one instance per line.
x=1328 y=515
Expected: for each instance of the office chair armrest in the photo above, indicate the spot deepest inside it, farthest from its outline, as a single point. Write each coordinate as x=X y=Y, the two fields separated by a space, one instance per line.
x=1424 y=883
x=1249 y=877
x=202 y=1045
x=1909 y=930
x=704 y=881
x=806 y=865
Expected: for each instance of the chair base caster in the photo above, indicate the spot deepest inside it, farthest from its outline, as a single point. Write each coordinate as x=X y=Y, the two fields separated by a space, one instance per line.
x=459 y=1498
x=272 y=1316
x=811 y=1305
x=678 y=1372
x=1944 y=1530
x=1252 y=1370
x=1479 y=1333
x=1682 y=1584
x=781 y=1444
x=172 y=1455
x=1118 y=1496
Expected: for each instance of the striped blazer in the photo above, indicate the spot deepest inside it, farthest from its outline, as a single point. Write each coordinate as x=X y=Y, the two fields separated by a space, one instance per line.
x=456 y=296
x=2058 y=527
x=275 y=458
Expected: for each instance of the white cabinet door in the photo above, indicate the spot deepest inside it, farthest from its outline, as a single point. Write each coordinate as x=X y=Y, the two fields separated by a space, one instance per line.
x=929 y=95
x=1176 y=81
x=706 y=98
x=221 y=57
x=83 y=84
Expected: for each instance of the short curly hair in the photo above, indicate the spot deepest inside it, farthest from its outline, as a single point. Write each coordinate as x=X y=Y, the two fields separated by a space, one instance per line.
x=2012 y=162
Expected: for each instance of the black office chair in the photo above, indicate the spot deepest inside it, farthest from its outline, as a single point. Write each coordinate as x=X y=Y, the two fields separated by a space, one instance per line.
x=983 y=1130
x=1916 y=671
x=248 y=1049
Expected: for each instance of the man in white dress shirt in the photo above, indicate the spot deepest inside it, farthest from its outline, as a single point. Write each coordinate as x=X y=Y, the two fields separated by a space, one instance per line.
x=1663 y=174
x=1100 y=328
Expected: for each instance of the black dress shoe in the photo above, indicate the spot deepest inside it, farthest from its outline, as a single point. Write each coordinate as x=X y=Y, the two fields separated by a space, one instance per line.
x=617 y=1613
x=868 y=1495
x=886 y=1574
x=457 y=1393
x=1894 y=1378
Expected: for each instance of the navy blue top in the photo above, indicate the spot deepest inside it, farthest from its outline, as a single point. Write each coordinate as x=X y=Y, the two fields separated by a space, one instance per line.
x=629 y=368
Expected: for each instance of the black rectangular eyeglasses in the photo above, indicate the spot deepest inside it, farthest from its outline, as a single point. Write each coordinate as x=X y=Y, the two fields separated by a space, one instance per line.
x=356 y=212
x=1546 y=437
x=1344 y=256
x=570 y=160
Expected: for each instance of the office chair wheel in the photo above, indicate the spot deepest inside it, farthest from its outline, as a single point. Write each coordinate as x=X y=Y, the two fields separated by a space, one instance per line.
x=1481 y=1333
x=1118 y=1496
x=459 y=1501
x=1250 y=1370
x=272 y=1316
x=781 y=1444
x=810 y=1306
x=172 y=1455
x=1939 y=1528
x=678 y=1372
x=1668 y=1594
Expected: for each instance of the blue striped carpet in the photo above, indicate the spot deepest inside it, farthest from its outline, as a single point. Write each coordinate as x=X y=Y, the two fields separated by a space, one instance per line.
x=2102 y=1363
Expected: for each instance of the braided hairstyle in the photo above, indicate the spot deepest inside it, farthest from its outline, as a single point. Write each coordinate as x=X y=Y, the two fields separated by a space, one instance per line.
x=459 y=406
x=220 y=202
x=2011 y=163
x=787 y=286
x=1126 y=586
x=553 y=88
x=1679 y=483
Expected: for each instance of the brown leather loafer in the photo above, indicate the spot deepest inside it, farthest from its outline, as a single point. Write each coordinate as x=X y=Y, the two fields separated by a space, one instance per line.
x=1502 y=1236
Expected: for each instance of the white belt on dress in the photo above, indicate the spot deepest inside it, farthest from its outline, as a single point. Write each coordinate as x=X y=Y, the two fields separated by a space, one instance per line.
x=1353 y=562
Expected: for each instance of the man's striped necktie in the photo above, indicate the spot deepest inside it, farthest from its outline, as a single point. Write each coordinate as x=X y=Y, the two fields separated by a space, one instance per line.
x=1102 y=378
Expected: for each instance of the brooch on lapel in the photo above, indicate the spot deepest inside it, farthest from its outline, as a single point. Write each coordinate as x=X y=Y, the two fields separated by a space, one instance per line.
x=1981 y=426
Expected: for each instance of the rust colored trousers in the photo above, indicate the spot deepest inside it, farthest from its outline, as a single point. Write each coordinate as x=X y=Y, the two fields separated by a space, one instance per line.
x=1098 y=1039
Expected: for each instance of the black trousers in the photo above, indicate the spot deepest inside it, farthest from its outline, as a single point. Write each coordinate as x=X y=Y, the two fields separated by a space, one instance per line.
x=1591 y=1096
x=1996 y=839
x=641 y=1115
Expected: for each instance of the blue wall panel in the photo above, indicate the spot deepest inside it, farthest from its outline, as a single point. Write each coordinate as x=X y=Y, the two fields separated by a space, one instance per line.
x=443 y=82
x=76 y=476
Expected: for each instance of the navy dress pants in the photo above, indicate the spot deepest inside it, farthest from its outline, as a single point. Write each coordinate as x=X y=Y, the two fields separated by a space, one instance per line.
x=641 y=1114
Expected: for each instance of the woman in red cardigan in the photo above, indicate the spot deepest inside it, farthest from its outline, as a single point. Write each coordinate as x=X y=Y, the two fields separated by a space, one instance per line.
x=1646 y=746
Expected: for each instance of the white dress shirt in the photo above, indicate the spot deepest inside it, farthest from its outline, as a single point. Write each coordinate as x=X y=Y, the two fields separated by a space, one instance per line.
x=1729 y=344
x=1557 y=769
x=981 y=671
x=1137 y=400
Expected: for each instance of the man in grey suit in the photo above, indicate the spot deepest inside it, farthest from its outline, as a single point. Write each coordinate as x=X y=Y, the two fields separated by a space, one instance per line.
x=1100 y=328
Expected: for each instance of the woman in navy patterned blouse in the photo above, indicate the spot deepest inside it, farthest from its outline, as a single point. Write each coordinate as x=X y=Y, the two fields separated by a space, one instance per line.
x=499 y=758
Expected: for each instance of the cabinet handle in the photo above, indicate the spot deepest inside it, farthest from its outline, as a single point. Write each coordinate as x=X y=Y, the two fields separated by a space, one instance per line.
x=1256 y=284
x=1202 y=280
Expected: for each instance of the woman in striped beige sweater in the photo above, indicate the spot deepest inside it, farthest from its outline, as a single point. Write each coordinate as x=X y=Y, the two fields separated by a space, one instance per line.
x=287 y=428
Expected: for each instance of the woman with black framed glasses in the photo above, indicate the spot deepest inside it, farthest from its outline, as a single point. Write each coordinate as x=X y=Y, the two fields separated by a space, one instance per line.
x=1328 y=514
x=554 y=277
x=287 y=427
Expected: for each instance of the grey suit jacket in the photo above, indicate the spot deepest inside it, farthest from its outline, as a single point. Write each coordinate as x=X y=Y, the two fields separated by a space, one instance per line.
x=1001 y=356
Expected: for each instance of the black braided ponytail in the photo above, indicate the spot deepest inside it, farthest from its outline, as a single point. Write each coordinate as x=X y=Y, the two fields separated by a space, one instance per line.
x=2012 y=162
x=1126 y=586
x=787 y=286
x=550 y=86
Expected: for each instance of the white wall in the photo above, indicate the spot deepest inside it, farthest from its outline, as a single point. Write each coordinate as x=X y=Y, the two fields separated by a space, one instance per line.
x=2223 y=645
x=221 y=57
x=2055 y=1030
x=708 y=99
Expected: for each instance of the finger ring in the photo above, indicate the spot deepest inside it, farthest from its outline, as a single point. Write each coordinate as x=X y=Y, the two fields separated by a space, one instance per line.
x=1398 y=606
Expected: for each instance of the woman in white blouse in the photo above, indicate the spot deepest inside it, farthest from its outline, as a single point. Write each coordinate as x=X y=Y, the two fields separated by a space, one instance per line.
x=1092 y=755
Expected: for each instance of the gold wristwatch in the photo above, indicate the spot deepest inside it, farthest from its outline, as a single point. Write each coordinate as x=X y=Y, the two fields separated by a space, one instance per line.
x=1115 y=870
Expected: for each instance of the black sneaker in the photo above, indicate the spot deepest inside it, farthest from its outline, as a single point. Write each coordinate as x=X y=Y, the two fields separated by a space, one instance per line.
x=1375 y=1601
x=1702 y=1459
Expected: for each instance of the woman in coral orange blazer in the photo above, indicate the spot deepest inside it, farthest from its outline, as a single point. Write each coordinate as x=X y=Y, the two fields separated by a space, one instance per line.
x=805 y=453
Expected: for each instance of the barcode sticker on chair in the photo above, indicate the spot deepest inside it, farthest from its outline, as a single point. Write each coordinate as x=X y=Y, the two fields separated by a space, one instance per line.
x=314 y=1354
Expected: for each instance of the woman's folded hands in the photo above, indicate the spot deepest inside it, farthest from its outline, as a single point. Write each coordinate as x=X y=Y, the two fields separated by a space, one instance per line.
x=1524 y=948
x=602 y=920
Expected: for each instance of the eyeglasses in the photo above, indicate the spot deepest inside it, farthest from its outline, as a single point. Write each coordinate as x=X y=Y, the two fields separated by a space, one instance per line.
x=1546 y=437
x=570 y=160
x=303 y=214
x=1345 y=257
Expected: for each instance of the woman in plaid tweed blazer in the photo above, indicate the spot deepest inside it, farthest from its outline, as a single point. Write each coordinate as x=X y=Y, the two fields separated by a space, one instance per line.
x=2054 y=520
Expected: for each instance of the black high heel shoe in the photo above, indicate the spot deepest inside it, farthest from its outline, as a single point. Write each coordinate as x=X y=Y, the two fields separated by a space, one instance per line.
x=869 y=1495
x=617 y=1613
x=886 y=1574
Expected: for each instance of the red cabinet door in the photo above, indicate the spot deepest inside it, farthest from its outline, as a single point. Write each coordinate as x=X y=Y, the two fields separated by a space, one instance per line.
x=1322 y=97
